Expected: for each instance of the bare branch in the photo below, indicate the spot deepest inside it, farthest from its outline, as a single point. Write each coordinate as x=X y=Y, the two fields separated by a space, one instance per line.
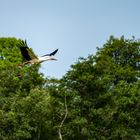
x=62 y=122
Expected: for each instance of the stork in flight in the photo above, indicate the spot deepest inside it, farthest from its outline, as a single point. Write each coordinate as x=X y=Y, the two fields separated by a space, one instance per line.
x=31 y=58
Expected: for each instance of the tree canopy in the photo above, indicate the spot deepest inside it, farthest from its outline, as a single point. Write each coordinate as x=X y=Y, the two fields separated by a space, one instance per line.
x=97 y=99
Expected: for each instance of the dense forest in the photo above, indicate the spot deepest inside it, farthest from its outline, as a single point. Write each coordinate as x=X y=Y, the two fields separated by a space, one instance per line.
x=97 y=99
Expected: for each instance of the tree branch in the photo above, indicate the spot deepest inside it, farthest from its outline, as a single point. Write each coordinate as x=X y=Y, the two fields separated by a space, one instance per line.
x=62 y=122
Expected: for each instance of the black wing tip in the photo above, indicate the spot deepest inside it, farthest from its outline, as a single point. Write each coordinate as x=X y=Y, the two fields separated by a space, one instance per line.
x=54 y=52
x=24 y=44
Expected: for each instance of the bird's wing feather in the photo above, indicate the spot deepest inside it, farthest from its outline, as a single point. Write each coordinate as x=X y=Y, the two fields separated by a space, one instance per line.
x=31 y=54
x=27 y=52
x=53 y=53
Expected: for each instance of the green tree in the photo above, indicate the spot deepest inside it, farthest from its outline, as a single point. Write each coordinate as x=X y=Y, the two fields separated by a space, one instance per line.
x=98 y=98
x=18 y=119
x=100 y=91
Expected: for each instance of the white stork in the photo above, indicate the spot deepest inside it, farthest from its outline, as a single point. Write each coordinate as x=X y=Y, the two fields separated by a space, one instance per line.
x=31 y=58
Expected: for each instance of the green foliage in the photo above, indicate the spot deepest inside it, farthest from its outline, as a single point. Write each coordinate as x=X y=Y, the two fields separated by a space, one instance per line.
x=101 y=94
x=17 y=83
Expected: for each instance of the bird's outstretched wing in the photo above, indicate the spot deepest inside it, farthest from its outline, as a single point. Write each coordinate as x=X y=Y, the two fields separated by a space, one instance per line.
x=26 y=52
x=53 y=53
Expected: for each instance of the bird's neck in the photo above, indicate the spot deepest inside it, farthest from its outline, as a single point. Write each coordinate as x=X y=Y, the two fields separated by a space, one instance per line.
x=44 y=58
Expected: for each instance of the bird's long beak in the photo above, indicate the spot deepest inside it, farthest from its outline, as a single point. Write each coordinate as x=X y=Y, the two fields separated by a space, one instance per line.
x=52 y=58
